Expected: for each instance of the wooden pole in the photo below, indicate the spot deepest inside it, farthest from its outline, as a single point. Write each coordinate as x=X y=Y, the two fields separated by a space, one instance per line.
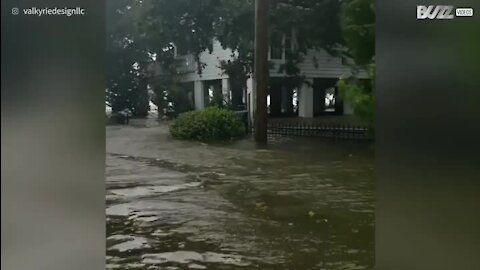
x=261 y=70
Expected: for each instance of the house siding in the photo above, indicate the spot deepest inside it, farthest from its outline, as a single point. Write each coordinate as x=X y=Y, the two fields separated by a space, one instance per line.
x=316 y=64
x=212 y=70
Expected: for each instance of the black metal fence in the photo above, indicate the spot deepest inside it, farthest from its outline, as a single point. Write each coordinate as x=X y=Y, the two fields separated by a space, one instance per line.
x=337 y=131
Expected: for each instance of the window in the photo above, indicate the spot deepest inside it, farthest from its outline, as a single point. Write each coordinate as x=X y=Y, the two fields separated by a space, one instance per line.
x=330 y=99
x=281 y=45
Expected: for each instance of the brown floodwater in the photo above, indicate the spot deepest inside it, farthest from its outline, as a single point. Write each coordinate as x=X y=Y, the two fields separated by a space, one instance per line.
x=298 y=204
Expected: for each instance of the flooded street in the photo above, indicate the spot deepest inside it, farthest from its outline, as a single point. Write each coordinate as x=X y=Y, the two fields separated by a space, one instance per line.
x=299 y=204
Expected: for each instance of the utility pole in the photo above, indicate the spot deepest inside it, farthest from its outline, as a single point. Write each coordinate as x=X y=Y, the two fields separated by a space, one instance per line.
x=261 y=70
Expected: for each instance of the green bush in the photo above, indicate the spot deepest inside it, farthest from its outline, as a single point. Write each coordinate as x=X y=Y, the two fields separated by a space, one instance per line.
x=210 y=124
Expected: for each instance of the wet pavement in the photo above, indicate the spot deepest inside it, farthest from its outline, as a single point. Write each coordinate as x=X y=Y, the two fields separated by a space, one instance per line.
x=299 y=204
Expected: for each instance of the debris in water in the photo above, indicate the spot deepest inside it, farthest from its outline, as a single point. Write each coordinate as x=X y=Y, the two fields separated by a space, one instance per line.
x=261 y=206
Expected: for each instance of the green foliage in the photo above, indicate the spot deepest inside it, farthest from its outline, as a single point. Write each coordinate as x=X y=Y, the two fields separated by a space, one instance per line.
x=217 y=101
x=236 y=71
x=179 y=100
x=357 y=20
x=126 y=59
x=142 y=32
x=210 y=124
x=172 y=98
x=358 y=93
x=358 y=29
x=311 y=24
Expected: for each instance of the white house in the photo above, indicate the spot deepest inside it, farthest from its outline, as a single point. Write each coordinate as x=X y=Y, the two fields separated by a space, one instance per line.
x=315 y=98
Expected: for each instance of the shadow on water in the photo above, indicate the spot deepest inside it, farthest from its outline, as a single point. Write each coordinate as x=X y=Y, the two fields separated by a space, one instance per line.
x=296 y=204
x=320 y=195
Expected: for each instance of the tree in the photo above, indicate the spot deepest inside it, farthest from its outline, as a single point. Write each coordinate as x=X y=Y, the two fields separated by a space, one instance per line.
x=126 y=58
x=143 y=31
x=171 y=28
x=311 y=24
x=358 y=31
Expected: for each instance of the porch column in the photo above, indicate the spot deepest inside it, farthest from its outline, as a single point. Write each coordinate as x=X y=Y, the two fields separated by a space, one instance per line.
x=305 y=100
x=226 y=91
x=284 y=100
x=250 y=99
x=199 y=95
